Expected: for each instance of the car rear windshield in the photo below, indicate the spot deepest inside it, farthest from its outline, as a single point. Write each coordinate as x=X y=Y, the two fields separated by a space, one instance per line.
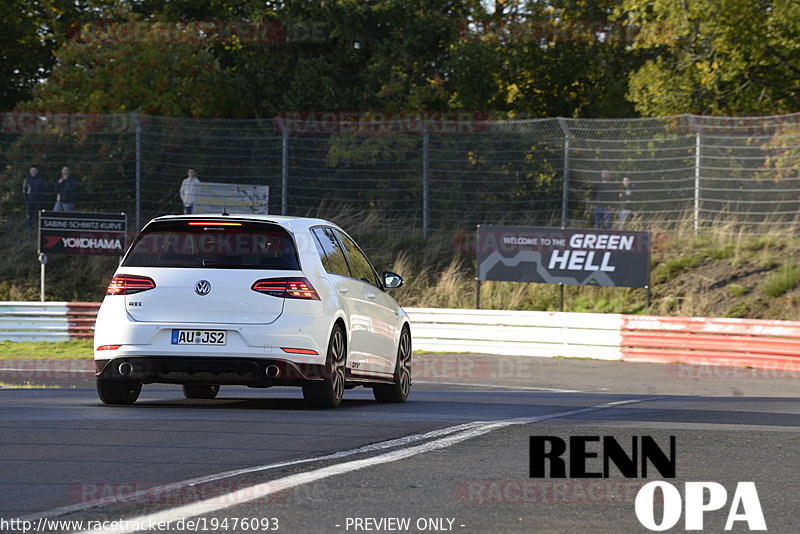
x=214 y=245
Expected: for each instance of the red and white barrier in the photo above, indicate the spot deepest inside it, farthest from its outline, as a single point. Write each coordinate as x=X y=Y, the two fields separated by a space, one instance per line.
x=702 y=341
x=47 y=321
x=637 y=338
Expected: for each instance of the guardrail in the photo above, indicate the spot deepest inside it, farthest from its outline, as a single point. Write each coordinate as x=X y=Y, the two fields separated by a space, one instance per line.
x=47 y=321
x=754 y=343
x=639 y=338
x=517 y=333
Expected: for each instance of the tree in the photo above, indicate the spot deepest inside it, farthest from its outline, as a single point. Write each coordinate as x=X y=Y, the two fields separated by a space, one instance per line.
x=159 y=79
x=24 y=50
x=716 y=56
x=254 y=59
x=560 y=58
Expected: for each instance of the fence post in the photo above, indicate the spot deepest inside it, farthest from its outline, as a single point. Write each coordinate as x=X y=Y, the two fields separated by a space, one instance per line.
x=426 y=141
x=565 y=191
x=138 y=159
x=284 y=165
x=697 y=144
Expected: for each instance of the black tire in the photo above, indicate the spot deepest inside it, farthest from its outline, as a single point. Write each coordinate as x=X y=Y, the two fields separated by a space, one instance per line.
x=118 y=391
x=200 y=391
x=328 y=393
x=398 y=392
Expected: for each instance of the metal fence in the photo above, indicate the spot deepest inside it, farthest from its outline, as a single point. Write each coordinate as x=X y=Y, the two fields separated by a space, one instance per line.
x=425 y=174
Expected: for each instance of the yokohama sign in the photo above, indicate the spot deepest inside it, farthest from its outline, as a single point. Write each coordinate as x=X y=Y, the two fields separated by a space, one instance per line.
x=82 y=233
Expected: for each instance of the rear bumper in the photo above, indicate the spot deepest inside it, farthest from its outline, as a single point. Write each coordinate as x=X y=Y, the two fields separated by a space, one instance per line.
x=248 y=341
x=224 y=371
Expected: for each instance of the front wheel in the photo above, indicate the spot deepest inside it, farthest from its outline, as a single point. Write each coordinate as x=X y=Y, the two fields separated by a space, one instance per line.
x=329 y=392
x=118 y=391
x=398 y=392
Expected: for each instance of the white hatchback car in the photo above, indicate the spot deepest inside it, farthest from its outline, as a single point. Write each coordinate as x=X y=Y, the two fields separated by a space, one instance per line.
x=254 y=300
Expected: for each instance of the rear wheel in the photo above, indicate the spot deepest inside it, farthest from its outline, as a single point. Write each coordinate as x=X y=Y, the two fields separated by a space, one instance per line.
x=118 y=391
x=328 y=393
x=398 y=392
x=200 y=391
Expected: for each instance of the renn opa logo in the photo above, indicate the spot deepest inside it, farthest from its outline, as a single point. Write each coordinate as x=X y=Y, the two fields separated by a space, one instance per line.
x=592 y=457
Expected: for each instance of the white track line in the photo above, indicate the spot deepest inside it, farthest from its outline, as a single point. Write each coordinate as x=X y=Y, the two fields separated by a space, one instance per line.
x=259 y=491
x=160 y=490
x=477 y=385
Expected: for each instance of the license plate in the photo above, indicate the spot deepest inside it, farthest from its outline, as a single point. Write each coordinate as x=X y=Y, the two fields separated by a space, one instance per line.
x=198 y=337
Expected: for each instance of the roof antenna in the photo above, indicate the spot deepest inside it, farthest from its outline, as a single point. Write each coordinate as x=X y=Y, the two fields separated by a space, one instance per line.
x=225 y=210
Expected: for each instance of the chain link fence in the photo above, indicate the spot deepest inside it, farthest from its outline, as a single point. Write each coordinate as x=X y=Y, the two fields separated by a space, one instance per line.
x=424 y=174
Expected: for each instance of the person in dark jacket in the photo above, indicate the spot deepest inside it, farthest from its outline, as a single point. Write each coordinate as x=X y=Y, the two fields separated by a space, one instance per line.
x=33 y=193
x=65 y=190
x=602 y=196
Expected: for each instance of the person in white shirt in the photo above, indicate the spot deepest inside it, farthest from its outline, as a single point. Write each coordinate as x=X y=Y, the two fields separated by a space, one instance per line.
x=625 y=202
x=189 y=190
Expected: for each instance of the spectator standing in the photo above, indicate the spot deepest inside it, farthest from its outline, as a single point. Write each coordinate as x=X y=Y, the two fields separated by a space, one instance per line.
x=33 y=194
x=625 y=201
x=601 y=197
x=189 y=190
x=65 y=190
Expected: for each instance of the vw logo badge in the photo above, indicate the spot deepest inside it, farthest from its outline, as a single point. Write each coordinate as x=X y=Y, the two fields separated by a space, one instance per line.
x=202 y=287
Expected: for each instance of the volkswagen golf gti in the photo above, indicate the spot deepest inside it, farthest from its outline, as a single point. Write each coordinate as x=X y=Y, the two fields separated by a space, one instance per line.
x=254 y=300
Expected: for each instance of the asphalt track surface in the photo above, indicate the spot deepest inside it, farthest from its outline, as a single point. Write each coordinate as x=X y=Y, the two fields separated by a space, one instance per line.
x=454 y=458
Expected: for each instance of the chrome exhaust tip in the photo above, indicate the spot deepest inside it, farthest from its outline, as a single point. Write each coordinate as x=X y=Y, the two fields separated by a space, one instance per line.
x=125 y=369
x=273 y=371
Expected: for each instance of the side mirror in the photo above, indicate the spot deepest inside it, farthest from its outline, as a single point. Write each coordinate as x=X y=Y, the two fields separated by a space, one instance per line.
x=392 y=280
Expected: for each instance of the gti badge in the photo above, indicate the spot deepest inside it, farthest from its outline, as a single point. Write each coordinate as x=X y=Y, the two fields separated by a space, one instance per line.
x=202 y=287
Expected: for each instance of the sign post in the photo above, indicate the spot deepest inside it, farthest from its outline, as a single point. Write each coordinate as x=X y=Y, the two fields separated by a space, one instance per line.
x=71 y=232
x=607 y=258
x=42 y=263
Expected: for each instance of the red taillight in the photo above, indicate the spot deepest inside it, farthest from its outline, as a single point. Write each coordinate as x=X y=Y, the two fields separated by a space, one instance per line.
x=127 y=284
x=299 y=351
x=288 y=288
x=108 y=347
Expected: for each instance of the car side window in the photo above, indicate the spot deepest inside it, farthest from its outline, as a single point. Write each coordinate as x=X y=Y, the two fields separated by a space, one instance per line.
x=331 y=253
x=359 y=263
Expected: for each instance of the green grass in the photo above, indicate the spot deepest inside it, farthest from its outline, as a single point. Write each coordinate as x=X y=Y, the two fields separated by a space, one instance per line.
x=736 y=290
x=739 y=311
x=781 y=281
x=675 y=266
x=46 y=350
x=761 y=243
x=722 y=253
